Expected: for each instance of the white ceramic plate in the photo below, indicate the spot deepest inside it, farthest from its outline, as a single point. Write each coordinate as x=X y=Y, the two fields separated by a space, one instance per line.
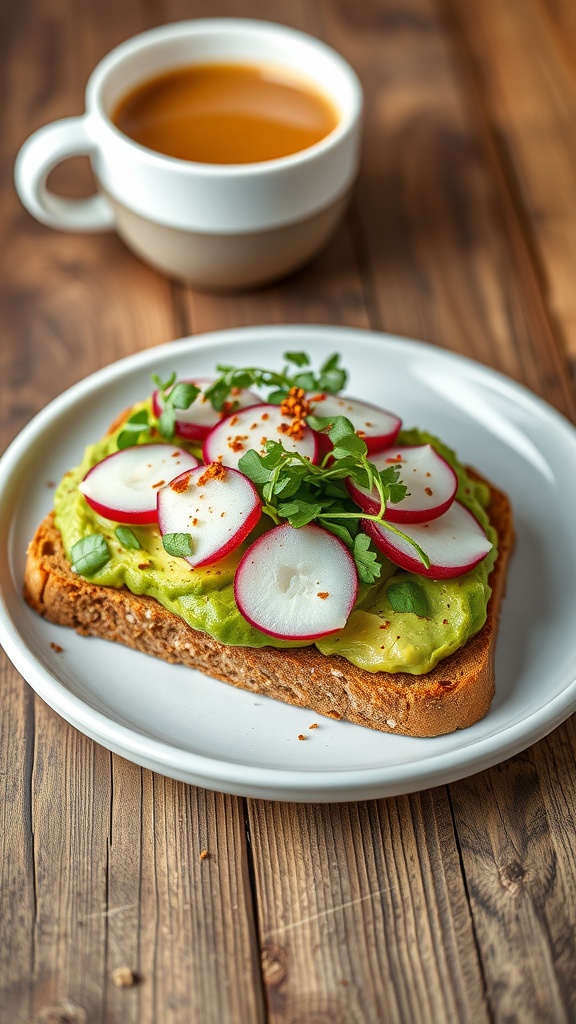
x=187 y=726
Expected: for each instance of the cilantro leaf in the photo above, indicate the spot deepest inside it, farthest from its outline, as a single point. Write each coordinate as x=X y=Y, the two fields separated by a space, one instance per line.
x=252 y=465
x=407 y=596
x=134 y=427
x=299 y=513
x=183 y=395
x=89 y=554
x=127 y=538
x=367 y=564
x=178 y=544
x=167 y=423
x=298 y=358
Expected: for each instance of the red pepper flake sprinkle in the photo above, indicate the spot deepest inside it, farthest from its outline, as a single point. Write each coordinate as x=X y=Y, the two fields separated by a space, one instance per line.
x=203 y=855
x=444 y=622
x=302 y=736
x=385 y=624
x=145 y=565
x=313 y=726
x=323 y=594
x=180 y=484
x=175 y=455
x=160 y=483
x=215 y=471
x=233 y=421
x=428 y=490
x=235 y=445
x=56 y=647
x=265 y=416
x=296 y=407
x=194 y=521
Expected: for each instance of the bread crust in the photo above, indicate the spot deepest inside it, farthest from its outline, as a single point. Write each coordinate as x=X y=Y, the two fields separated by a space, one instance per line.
x=452 y=696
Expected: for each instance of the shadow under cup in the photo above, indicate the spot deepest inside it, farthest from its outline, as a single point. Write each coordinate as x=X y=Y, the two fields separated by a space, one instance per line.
x=216 y=226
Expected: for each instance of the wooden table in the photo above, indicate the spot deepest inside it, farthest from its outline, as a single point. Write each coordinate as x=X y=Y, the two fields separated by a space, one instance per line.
x=456 y=904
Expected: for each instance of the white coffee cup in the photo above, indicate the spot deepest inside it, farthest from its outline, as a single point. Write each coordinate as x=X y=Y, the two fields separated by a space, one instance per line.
x=215 y=225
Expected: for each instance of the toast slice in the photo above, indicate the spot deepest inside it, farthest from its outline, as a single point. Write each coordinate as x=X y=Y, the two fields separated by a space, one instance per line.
x=452 y=696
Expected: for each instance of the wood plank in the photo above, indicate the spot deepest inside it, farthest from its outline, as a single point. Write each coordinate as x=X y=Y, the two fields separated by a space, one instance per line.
x=366 y=919
x=517 y=828
x=522 y=61
x=16 y=846
x=71 y=302
x=444 y=252
x=181 y=920
x=106 y=837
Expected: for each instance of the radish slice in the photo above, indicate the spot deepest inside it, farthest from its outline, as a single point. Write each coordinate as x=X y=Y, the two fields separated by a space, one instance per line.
x=218 y=507
x=296 y=584
x=252 y=428
x=431 y=483
x=454 y=543
x=377 y=426
x=197 y=421
x=123 y=487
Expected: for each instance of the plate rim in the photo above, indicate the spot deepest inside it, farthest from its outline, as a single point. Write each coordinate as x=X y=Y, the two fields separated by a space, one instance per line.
x=325 y=785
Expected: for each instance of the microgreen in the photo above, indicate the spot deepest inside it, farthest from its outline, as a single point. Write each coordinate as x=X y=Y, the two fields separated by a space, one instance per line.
x=127 y=538
x=408 y=597
x=173 y=395
x=295 y=490
x=330 y=377
x=89 y=554
x=133 y=429
x=177 y=544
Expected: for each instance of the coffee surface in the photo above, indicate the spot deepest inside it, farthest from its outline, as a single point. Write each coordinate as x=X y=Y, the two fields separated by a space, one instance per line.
x=226 y=113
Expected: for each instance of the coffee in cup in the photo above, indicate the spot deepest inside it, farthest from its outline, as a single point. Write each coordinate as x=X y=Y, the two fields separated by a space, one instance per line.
x=233 y=208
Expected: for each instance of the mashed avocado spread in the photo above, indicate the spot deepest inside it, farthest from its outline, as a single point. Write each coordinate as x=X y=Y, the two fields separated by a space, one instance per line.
x=376 y=638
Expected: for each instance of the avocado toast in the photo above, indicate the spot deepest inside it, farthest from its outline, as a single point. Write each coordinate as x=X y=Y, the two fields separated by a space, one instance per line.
x=427 y=699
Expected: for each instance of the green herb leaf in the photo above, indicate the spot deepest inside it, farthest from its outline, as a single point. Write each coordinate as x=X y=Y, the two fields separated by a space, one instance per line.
x=164 y=385
x=134 y=427
x=167 y=423
x=252 y=465
x=349 y=445
x=304 y=380
x=408 y=597
x=332 y=377
x=298 y=358
x=178 y=544
x=299 y=513
x=127 y=538
x=367 y=564
x=278 y=396
x=89 y=554
x=217 y=394
x=183 y=395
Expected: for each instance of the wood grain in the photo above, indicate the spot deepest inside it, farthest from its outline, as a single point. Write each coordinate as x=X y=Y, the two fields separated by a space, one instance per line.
x=386 y=872
x=522 y=60
x=447 y=905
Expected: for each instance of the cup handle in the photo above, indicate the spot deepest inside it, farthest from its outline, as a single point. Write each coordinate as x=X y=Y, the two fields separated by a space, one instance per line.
x=46 y=148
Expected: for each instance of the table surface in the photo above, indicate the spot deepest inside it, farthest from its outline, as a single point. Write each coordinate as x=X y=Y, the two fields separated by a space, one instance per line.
x=455 y=904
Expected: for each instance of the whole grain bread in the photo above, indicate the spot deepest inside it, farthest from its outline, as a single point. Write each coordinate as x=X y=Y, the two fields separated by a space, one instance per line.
x=454 y=695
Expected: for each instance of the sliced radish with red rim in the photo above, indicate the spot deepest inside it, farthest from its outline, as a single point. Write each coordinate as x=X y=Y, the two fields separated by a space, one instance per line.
x=216 y=506
x=296 y=584
x=124 y=485
x=431 y=483
x=252 y=428
x=197 y=421
x=454 y=543
x=377 y=426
